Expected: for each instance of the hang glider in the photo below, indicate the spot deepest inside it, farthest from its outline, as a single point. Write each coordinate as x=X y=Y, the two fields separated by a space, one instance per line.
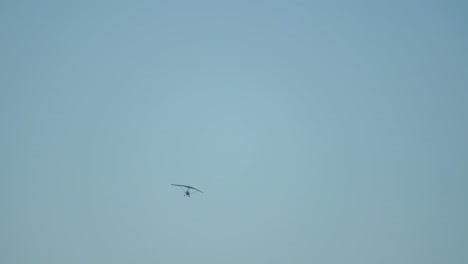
x=186 y=192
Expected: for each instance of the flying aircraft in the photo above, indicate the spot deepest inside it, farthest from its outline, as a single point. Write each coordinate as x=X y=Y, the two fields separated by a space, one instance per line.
x=186 y=192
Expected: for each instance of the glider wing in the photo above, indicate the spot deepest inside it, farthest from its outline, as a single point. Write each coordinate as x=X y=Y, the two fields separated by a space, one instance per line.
x=186 y=186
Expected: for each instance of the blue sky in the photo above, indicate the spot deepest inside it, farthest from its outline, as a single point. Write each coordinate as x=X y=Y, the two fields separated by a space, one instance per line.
x=320 y=132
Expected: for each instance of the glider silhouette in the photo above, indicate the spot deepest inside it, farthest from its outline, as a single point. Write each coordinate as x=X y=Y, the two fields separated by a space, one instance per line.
x=186 y=192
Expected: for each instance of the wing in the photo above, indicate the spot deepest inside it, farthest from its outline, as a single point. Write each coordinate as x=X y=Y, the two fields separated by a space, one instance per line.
x=186 y=186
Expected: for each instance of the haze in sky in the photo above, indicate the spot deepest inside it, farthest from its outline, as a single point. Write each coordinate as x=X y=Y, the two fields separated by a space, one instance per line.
x=319 y=132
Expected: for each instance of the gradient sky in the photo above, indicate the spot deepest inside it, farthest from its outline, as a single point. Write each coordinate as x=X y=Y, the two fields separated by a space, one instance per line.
x=320 y=132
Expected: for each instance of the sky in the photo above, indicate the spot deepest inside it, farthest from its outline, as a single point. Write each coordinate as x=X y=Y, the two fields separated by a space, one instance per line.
x=319 y=131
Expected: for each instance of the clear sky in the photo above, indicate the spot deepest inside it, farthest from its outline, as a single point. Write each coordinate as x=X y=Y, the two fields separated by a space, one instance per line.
x=320 y=132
